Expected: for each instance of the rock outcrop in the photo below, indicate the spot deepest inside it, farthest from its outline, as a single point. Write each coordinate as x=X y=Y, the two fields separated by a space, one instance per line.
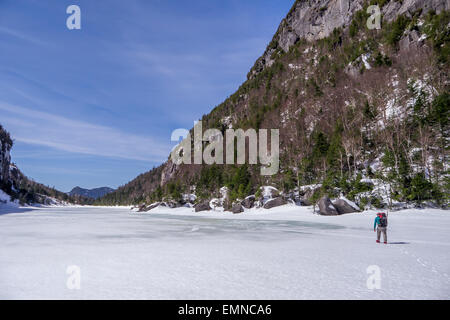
x=344 y=207
x=237 y=208
x=248 y=202
x=168 y=172
x=313 y=20
x=5 y=157
x=202 y=206
x=275 y=202
x=326 y=208
x=145 y=208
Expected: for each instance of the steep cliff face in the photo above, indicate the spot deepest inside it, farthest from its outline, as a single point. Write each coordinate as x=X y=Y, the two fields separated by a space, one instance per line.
x=314 y=20
x=5 y=158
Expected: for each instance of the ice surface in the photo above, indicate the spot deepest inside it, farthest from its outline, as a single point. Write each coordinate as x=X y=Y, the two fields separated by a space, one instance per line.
x=283 y=253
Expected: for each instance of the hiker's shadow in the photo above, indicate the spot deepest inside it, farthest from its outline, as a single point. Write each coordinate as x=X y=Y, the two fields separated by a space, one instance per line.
x=399 y=242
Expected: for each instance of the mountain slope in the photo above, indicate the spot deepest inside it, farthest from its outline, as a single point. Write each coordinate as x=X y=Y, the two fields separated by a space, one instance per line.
x=362 y=113
x=91 y=193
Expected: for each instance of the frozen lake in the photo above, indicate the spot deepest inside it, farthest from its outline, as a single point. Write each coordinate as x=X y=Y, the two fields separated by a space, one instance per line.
x=284 y=253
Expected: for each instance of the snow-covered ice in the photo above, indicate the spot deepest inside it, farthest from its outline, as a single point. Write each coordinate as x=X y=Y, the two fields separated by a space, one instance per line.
x=282 y=253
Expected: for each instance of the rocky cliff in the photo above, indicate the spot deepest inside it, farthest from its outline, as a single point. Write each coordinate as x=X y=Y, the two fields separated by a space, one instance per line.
x=313 y=20
x=5 y=158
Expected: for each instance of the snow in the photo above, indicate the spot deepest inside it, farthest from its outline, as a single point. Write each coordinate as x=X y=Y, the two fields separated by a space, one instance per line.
x=268 y=193
x=228 y=121
x=282 y=253
x=189 y=197
x=6 y=203
x=4 y=197
x=310 y=187
x=294 y=66
x=351 y=203
x=365 y=58
x=422 y=37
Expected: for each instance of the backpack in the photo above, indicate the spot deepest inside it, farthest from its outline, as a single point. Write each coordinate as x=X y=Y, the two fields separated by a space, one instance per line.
x=383 y=221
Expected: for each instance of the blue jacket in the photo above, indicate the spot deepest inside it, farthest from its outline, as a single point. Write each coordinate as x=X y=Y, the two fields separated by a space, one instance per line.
x=377 y=222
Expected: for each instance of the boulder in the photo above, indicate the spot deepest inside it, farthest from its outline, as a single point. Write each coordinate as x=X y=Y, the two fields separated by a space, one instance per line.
x=275 y=202
x=173 y=204
x=237 y=208
x=142 y=208
x=145 y=208
x=155 y=205
x=409 y=40
x=326 y=208
x=305 y=199
x=248 y=202
x=344 y=207
x=202 y=206
x=215 y=203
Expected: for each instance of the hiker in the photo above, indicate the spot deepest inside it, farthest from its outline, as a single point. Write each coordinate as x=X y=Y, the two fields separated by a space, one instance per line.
x=380 y=225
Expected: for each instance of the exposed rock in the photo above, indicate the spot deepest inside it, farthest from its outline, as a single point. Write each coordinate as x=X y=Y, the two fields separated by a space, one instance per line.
x=305 y=199
x=168 y=172
x=326 y=208
x=343 y=207
x=202 y=206
x=145 y=208
x=237 y=208
x=275 y=202
x=248 y=202
x=215 y=203
x=173 y=204
x=411 y=39
x=189 y=198
x=142 y=208
x=313 y=20
x=5 y=157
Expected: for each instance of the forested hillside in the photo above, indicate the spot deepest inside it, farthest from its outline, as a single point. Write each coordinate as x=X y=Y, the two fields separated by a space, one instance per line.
x=362 y=113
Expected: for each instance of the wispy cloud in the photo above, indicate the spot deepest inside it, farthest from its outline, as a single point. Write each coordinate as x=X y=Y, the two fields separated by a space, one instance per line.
x=41 y=128
x=22 y=36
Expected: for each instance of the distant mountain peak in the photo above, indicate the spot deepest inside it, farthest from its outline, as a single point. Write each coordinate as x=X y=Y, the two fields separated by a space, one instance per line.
x=91 y=193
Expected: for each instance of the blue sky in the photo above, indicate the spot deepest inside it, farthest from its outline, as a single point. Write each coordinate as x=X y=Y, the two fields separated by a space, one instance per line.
x=96 y=107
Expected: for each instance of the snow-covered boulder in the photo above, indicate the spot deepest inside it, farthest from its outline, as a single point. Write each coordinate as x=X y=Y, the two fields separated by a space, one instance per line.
x=248 y=202
x=202 y=206
x=145 y=208
x=307 y=192
x=344 y=206
x=327 y=208
x=274 y=202
x=5 y=200
x=267 y=193
x=237 y=208
x=189 y=197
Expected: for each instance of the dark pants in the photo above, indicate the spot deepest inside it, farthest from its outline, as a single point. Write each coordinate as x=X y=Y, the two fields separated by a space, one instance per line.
x=382 y=230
